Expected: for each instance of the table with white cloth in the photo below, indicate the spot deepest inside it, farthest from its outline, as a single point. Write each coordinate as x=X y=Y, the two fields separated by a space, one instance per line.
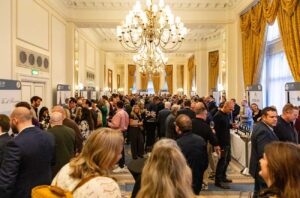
x=238 y=148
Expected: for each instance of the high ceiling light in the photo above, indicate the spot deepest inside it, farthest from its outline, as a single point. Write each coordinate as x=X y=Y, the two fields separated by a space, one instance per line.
x=150 y=60
x=156 y=24
x=150 y=32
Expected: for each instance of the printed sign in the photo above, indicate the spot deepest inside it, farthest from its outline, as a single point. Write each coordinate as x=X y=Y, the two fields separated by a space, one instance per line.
x=10 y=95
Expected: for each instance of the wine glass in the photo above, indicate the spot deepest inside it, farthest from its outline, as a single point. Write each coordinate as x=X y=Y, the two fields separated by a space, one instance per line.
x=212 y=124
x=236 y=120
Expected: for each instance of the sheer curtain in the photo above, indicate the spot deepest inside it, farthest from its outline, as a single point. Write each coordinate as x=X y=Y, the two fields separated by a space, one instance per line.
x=278 y=74
x=150 y=87
x=276 y=71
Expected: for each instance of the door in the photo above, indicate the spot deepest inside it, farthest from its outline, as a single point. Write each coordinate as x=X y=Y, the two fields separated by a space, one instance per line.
x=30 y=89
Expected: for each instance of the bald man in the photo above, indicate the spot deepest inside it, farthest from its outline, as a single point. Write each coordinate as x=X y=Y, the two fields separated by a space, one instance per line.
x=194 y=150
x=64 y=141
x=70 y=123
x=27 y=158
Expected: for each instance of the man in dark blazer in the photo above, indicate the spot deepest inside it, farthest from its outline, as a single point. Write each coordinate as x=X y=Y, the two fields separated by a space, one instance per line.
x=187 y=110
x=27 y=158
x=161 y=120
x=263 y=134
x=4 y=136
x=284 y=129
x=194 y=150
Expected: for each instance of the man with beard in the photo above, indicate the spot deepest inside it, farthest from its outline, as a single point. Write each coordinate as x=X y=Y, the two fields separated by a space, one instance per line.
x=27 y=158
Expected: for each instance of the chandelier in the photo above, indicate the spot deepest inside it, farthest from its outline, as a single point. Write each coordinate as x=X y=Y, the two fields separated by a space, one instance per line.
x=154 y=25
x=150 y=60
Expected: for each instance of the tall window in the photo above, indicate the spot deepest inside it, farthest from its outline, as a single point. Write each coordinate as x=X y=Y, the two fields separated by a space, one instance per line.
x=276 y=71
x=150 y=87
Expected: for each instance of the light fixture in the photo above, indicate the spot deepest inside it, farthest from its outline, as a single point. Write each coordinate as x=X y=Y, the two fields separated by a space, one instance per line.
x=150 y=61
x=151 y=31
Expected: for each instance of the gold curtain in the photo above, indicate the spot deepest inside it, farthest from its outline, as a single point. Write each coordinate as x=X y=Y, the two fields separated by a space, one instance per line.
x=191 y=71
x=253 y=27
x=156 y=82
x=169 y=77
x=144 y=81
x=131 y=72
x=270 y=10
x=289 y=25
x=213 y=59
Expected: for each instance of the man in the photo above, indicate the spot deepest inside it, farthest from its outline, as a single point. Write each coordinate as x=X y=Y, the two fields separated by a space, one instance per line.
x=161 y=120
x=120 y=121
x=284 y=129
x=27 y=158
x=263 y=134
x=96 y=114
x=35 y=103
x=73 y=107
x=187 y=110
x=170 y=127
x=201 y=128
x=222 y=127
x=211 y=105
x=236 y=110
x=246 y=115
x=70 y=123
x=64 y=141
x=194 y=149
x=4 y=136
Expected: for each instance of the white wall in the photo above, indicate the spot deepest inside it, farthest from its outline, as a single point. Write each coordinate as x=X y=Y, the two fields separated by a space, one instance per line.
x=5 y=40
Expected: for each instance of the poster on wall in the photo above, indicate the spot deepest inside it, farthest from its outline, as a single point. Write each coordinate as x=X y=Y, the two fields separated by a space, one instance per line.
x=63 y=92
x=254 y=95
x=10 y=94
x=293 y=93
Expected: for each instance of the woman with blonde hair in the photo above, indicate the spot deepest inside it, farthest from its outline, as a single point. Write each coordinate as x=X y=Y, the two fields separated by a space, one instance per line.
x=98 y=156
x=281 y=170
x=166 y=173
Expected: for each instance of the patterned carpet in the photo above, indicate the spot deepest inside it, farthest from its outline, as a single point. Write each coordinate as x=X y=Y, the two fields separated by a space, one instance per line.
x=242 y=186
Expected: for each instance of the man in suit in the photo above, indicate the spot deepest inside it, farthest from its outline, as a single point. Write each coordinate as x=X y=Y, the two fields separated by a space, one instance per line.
x=187 y=110
x=64 y=141
x=4 y=136
x=236 y=110
x=27 y=158
x=194 y=149
x=284 y=129
x=161 y=120
x=263 y=134
x=35 y=103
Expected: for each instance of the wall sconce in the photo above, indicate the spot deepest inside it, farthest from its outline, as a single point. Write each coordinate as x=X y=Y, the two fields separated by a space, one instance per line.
x=80 y=86
x=220 y=87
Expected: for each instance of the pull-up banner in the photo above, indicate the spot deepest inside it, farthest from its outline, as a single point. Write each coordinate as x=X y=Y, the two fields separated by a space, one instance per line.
x=63 y=92
x=255 y=95
x=10 y=94
x=293 y=93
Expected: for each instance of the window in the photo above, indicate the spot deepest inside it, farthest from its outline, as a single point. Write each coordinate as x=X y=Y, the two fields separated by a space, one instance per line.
x=150 y=87
x=276 y=71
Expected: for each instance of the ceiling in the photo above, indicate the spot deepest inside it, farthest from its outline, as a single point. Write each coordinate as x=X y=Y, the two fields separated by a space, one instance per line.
x=205 y=19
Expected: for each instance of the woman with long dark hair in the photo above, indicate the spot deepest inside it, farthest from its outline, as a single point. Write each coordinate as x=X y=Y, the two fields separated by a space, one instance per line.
x=86 y=123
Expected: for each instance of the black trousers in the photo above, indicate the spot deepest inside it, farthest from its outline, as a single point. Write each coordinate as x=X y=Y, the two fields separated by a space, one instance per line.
x=150 y=133
x=137 y=142
x=223 y=164
x=122 y=160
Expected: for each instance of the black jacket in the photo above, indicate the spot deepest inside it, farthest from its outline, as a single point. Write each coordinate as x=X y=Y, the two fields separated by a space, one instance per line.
x=285 y=131
x=26 y=163
x=222 y=127
x=201 y=128
x=3 y=141
x=186 y=111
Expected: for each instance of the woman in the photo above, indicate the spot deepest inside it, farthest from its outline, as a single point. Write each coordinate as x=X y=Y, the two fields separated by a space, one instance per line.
x=281 y=170
x=136 y=133
x=166 y=173
x=44 y=118
x=86 y=123
x=103 y=109
x=100 y=153
x=256 y=112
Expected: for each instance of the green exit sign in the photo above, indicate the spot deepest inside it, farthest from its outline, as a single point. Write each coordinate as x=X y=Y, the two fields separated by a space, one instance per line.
x=34 y=72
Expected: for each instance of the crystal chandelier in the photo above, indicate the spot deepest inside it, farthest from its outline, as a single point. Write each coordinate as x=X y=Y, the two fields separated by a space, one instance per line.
x=154 y=25
x=150 y=60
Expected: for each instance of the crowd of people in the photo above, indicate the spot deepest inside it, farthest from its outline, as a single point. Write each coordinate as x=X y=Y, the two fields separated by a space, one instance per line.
x=77 y=146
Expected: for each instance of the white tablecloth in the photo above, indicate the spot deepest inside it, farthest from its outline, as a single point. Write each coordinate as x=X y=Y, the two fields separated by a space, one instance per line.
x=238 y=150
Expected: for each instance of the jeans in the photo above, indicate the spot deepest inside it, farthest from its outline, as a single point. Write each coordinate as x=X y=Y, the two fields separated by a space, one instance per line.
x=122 y=160
x=223 y=164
